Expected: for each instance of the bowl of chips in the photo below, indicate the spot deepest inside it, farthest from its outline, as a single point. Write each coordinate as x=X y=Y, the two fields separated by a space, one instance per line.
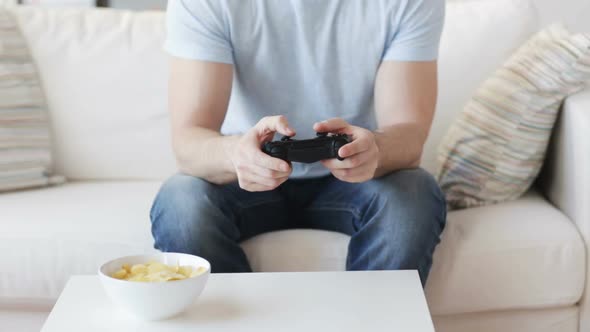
x=157 y=286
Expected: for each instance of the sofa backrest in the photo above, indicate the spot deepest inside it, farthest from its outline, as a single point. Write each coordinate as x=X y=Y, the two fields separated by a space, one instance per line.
x=105 y=77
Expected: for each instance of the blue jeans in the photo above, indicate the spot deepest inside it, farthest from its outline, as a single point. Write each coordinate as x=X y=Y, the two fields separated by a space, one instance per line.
x=394 y=221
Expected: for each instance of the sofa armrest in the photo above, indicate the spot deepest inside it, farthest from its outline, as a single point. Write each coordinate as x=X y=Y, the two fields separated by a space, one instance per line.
x=566 y=178
x=565 y=181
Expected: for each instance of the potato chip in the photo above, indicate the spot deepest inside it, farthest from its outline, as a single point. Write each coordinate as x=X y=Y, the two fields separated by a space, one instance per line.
x=156 y=267
x=121 y=274
x=157 y=272
x=185 y=271
x=138 y=268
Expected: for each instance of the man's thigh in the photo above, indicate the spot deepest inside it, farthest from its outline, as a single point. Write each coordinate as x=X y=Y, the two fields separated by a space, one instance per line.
x=203 y=202
x=344 y=207
x=337 y=206
x=259 y=212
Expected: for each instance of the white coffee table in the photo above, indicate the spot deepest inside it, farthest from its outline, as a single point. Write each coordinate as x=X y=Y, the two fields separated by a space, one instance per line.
x=324 y=301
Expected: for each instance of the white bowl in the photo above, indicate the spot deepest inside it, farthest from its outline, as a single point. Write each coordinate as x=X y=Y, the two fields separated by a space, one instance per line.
x=154 y=300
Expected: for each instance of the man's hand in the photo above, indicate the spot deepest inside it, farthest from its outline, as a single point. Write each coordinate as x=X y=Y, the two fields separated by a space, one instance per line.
x=256 y=170
x=362 y=154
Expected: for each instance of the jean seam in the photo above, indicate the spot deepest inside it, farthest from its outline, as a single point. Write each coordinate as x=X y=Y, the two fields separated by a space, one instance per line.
x=435 y=243
x=153 y=213
x=256 y=203
x=358 y=218
x=366 y=208
x=352 y=211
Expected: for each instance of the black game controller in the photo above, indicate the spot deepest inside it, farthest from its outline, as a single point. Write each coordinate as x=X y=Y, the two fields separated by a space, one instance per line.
x=322 y=147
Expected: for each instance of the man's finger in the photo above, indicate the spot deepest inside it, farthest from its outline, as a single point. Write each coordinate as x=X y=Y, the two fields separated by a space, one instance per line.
x=354 y=175
x=331 y=126
x=262 y=159
x=273 y=124
x=253 y=187
x=268 y=173
x=354 y=147
x=264 y=181
x=352 y=162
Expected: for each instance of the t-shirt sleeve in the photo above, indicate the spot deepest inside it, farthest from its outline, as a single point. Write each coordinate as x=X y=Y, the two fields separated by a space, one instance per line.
x=197 y=30
x=418 y=32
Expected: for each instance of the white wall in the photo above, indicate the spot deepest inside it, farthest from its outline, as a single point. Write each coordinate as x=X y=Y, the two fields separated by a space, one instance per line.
x=136 y=4
x=574 y=13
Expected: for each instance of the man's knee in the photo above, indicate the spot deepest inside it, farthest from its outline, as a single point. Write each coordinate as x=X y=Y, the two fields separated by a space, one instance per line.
x=182 y=196
x=411 y=184
x=413 y=214
x=413 y=192
x=183 y=214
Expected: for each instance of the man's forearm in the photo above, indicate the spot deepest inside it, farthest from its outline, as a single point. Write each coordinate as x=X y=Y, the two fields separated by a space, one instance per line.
x=205 y=154
x=400 y=147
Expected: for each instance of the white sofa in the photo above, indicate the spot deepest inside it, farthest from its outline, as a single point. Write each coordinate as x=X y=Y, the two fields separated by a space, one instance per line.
x=518 y=266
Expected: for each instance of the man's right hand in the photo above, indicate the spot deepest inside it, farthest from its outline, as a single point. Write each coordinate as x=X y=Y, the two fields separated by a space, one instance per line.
x=256 y=170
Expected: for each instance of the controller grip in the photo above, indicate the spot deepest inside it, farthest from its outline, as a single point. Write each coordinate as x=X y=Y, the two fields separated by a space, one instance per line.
x=274 y=150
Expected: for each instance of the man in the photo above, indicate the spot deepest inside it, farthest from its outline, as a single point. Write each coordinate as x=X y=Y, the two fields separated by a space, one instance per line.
x=243 y=70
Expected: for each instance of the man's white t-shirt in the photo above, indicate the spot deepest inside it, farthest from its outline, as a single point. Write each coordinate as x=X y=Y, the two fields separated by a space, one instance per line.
x=309 y=60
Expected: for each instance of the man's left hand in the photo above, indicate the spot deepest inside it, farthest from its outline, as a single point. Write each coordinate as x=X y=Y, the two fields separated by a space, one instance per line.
x=361 y=155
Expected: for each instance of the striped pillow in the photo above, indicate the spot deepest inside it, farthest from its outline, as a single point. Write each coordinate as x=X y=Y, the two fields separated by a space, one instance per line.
x=496 y=147
x=25 y=150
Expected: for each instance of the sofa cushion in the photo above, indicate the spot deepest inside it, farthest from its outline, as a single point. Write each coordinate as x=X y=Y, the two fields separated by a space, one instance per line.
x=522 y=254
x=518 y=255
x=49 y=234
x=105 y=75
x=297 y=250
